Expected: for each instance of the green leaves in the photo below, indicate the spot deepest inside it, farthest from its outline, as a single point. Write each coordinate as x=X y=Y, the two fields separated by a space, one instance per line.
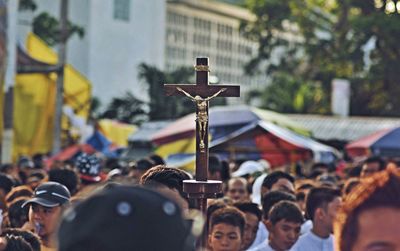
x=48 y=29
x=325 y=39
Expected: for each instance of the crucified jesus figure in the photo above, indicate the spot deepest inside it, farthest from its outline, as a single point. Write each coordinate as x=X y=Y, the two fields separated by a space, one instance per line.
x=201 y=115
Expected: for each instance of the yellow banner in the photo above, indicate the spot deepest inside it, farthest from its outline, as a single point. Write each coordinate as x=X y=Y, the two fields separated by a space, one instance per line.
x=34 y=101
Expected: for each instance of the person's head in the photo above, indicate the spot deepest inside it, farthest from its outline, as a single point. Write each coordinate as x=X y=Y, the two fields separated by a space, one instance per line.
x=372 y=165
x=35 y=178
x=214 y=168
x=321 y=167
x=6 y=184
x=284 y=224
x=17 y=192
x=67 y=177
x=17 y=214
x=302 y=189
x=278 y=180
x=31 y=238
x=368 y=219
x=13 y=243
x=46 y=206
x=226 y=229
x=140 y=167
x=125 y=218
x=322 y=204
x=273 y=197
x=157 y=159
x=170 y=177
x=349 y=185
x=89 y=167
x=237 y=189
x=253 y=217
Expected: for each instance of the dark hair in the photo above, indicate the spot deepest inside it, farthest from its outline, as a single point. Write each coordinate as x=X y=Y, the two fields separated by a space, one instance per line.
x=319 y=197
x=19 y=191
x=214 y=164
x=228 y=215
x=4 y=168
x=379 y=190
x=144 y=164
x=285 y=210
x=15 y=242
x=319 y=165
x=376 y=159
x=66 y=177
x=273 y=177
x=350 y=184
x=171 y=177
x=249 y=207
x=273 y=197
x=6 y=183
x=17 y=214
x=157 y=159
x=28 y=236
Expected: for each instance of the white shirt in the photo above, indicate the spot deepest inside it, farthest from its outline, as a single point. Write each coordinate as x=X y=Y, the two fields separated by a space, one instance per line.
x=306 y=227
x=261 y=237
x=262 y=247
x=311 y=242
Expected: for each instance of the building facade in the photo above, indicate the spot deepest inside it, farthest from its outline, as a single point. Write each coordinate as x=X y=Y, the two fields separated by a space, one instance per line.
x=209 y=28
x=121 y=34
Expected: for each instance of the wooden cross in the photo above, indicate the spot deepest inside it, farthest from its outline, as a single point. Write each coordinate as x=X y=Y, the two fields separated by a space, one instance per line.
x=201 y=93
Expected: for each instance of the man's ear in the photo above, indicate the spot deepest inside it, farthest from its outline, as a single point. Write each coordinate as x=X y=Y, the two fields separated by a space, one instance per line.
x=319 y=213
x=269 y=225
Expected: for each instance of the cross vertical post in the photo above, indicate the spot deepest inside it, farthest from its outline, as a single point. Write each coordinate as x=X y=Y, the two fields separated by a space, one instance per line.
x=201 y=93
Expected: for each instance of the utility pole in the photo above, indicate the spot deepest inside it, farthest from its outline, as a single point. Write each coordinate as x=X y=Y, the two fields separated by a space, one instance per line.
x=60 y=76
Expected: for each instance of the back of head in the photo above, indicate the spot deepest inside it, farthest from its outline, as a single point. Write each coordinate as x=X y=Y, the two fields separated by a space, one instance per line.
x=15 y=242
x=125 y=218
x=273 y=177
x=17 y=214
x=6 y=183
x=31 y=238
x=19 y=191
x=376 y=159
x=382 y=190
x=249 y=207
x=157 y=159
x=228 y=215
x=285 y=210
x=171 y=177
x=144 y=164
x=214 y=164
x=66 y=177
x=319 y=197
x=273 y=197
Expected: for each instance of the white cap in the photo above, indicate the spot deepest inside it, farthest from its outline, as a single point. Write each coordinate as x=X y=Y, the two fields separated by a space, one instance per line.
x=248 y=167
x=256 y=195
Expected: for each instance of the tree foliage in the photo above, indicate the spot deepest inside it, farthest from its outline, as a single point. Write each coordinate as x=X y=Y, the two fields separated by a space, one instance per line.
x=304 y=45
x=160 y=106
x=127 y=109
x=48 y=27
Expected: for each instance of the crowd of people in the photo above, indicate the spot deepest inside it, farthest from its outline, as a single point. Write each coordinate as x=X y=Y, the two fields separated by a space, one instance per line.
x=93 y=204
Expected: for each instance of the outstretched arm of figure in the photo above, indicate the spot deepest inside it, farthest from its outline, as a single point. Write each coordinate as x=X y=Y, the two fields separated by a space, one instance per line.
x=215 y=94
x=184 y=92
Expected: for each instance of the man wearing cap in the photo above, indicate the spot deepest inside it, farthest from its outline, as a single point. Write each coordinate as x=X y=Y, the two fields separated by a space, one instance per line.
x=46 y=207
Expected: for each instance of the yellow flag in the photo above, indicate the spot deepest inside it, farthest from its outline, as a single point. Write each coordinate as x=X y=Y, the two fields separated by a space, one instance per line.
x=34 y=101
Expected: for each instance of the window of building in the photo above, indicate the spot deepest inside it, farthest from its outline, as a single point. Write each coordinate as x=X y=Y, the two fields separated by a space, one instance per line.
x=122 y=10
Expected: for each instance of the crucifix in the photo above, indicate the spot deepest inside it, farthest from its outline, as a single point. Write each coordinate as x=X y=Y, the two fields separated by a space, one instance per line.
x=201 y=93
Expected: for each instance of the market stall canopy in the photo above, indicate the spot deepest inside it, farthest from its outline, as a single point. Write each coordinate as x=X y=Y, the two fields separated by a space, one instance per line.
x=277 y=145
x=385 y=143
x=224 y=120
